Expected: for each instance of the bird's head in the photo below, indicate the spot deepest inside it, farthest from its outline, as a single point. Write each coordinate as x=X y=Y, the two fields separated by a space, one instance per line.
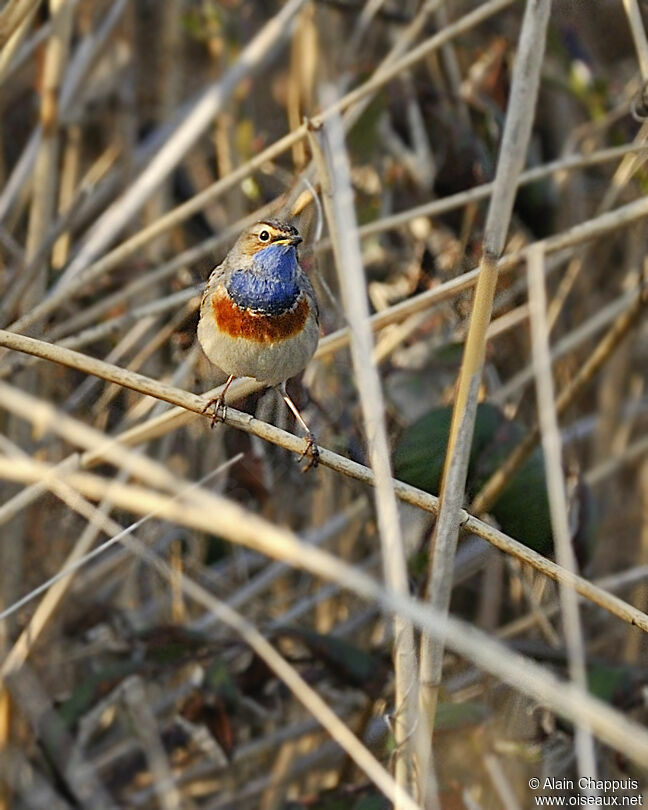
x=269 y=233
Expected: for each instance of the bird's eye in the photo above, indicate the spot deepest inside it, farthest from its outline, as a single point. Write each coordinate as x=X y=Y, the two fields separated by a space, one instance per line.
x=264 y=236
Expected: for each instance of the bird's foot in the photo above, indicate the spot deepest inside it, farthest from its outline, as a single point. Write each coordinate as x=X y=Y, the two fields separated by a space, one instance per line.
x=311 y=452
x=219 y=411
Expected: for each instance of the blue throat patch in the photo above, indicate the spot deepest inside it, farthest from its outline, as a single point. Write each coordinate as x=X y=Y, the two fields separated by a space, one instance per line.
x=269 y=286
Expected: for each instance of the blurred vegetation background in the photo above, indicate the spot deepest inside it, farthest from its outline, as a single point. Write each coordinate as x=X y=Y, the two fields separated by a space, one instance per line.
x=128 y=681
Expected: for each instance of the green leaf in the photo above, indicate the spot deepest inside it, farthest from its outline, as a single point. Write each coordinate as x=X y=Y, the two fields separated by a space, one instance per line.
x=92 y=689
x=219 y=681
x=338 y=801
x=522 y=509
x=169 y=644
x=606 y=682
x=420 y=453
x=364 y=139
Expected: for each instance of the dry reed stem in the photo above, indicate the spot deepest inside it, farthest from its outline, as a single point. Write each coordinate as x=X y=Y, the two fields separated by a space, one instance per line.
x=502 y=786
x=629 y=166
x=71 y=162
x=21 y=174
x=78 y=556
x=638 y=35
x=45 y=417
x=483 y=191
x=76 y=773
x=606 y=468
x=515 y=138
x=24 y=644
x=87 y=272
x=339 y=206
x=28 y=273
x=45 y=180
x=195 y=404
x=40 y=215
x=603 y=351
x=76 y=74
x=305 y=694
x=98 y=518
x=586 y=330
x=433 y=208
x=617 y=581
x=13 y=16
x=591 y=229
x=190 y=127
x=13 y=43
x=552 y=450
x=146 y=729
x=28 y=48
x=258 y=584
x=209 y=512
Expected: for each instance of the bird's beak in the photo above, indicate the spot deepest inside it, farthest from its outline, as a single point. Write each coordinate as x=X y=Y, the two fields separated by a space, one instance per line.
x=289 y=240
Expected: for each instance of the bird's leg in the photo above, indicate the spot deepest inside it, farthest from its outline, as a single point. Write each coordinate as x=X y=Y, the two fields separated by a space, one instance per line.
x=311 y=449
x=218 y=403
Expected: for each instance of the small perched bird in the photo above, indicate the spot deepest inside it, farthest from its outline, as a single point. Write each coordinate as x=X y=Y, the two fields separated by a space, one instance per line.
x=259 y=315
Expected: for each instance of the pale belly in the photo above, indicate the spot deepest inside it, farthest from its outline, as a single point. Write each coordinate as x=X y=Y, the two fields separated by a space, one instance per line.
x=270 y=363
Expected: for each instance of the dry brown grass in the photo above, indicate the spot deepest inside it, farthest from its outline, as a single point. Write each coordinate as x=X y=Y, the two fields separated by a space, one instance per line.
x=187 y=621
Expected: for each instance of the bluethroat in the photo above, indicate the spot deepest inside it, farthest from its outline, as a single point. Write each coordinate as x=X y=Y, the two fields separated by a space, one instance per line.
x=259 y=315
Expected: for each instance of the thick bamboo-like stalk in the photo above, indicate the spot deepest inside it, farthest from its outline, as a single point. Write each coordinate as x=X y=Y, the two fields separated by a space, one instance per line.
x=517 y=130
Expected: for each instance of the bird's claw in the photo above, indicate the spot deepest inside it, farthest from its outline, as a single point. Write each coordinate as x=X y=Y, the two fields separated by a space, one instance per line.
x=311 y=452
x=219 y=409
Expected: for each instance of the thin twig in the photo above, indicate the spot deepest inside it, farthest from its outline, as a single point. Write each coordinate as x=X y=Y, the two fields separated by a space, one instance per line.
x=196 y=404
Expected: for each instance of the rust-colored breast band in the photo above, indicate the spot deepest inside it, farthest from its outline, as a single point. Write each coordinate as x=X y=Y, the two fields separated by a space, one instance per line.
x=237 y=322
